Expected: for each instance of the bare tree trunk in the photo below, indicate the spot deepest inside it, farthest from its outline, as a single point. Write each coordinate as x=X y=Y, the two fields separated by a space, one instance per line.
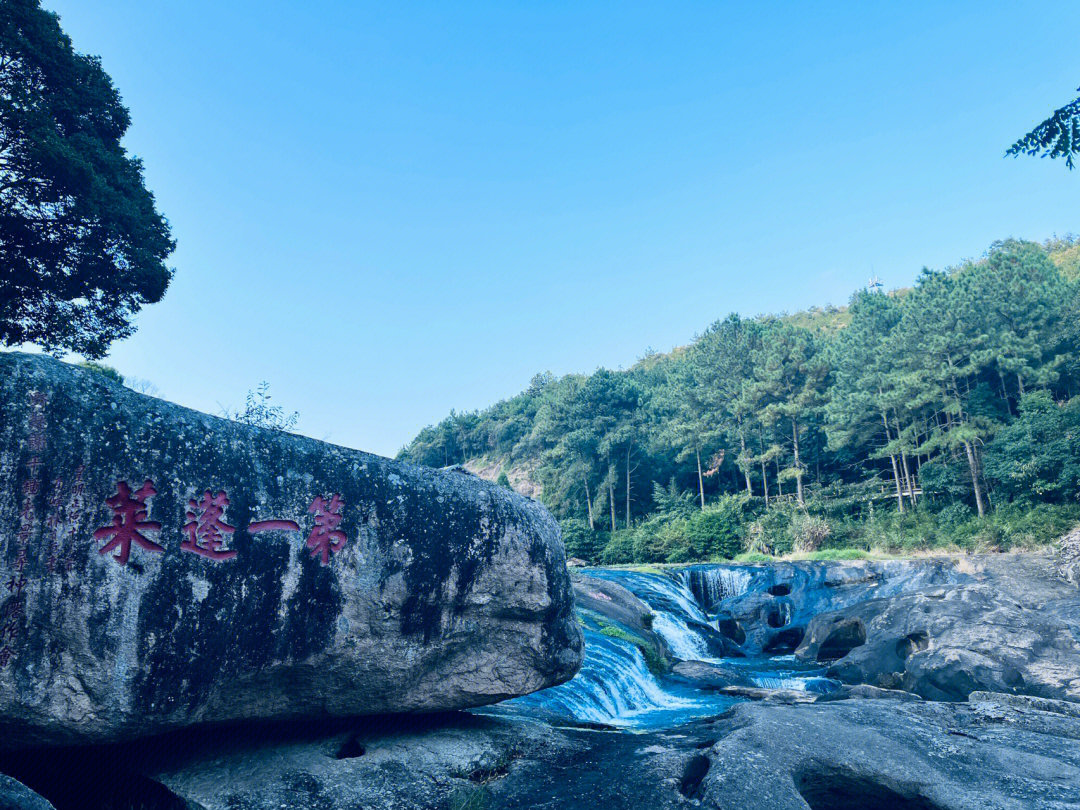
x=628 y=486
x=611 y=493
x=588 y=501
x=1020 y=384
x=700 y=479
x=746 y=470
x=1005 y=393
x=765 y=482
x=973 y=464
x=798 y=464
x=907 y=478
x=895 y=469
x=779 y=480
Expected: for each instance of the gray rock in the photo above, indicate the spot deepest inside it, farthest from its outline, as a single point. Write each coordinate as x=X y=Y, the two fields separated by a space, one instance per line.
x=707 y=676
x=945 y=642
x=1069 y=556
x=885 y=754
x=17 y=796
x=131 y=608
x=865 y=692
x=849 y=754
x=780 y=599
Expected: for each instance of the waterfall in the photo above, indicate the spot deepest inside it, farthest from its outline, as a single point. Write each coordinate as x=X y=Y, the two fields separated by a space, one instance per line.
x=710 y=586
x=614 y=686
x=674 y=609
x=683 y=642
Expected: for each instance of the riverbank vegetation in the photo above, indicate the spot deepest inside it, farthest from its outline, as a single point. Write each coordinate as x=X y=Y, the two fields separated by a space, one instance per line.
x=946 y=415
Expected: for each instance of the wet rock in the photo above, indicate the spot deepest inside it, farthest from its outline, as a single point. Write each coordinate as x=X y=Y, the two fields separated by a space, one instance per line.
x=706 y=676
x=787 y=696
x=614 y=602
x=877 y=754
x=16 y=796
x=778 y=600
x=164 y=568
x=945 y=642
x=886 y=755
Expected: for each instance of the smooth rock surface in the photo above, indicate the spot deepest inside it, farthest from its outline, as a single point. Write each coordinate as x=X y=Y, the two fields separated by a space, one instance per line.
x=866 y=754
x=160 y=567
x=1008 y=629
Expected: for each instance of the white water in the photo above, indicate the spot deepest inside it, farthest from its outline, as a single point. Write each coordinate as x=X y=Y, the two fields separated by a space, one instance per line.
x=673 y=607
x=683 y=642
x=614 y=686
x=715 y=584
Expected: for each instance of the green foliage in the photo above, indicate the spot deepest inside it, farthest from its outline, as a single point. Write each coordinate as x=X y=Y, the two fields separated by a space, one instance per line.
x=259 y=412
x=619 y=548
x=716 y=531
x=1037 y=457
x=656 y=663
x=907 y=420
x=105 y=371
x=503 y=480
x=470 y=798
x=1057 y=136
x=839 y=554
x=83 y=245
x=581 y=541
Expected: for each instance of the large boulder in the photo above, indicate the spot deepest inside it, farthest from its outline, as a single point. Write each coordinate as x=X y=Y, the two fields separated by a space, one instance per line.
x=945 y=642
x=160 y=568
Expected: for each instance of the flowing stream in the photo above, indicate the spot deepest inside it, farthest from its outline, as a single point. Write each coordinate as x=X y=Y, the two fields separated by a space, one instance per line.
x=615 y=686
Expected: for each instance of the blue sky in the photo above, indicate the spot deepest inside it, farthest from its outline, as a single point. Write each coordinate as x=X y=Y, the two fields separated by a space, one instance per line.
x=388 y=210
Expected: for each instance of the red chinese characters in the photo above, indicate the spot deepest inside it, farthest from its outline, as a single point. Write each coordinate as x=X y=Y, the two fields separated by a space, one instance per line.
x=205 y=529
x=325 y=538
x=130 y=514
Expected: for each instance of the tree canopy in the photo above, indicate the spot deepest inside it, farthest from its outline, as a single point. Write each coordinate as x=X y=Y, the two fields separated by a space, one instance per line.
x=1057 y=136
x=961 y=393
x=82 y=246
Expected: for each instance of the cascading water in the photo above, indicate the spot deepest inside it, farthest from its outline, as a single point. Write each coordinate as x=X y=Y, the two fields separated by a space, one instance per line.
x=614 y=687
x=712 y=585
x=675 y=611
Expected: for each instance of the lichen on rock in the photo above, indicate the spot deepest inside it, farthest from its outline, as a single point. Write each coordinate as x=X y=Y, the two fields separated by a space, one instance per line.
x=168 y=568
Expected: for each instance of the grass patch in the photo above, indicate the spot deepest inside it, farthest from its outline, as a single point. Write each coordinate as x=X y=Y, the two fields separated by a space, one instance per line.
x=837 y=554
x=753 y=557
x=470 y=798
x=657 y=664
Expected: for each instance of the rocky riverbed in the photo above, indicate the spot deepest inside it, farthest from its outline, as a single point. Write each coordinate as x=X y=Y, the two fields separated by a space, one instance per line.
x=354 y=633
x=738 y=727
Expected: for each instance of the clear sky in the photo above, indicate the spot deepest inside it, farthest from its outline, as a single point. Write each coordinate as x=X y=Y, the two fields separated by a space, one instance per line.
x=388 y=210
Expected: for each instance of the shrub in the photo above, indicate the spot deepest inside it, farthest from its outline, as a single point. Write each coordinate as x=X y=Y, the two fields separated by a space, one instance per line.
x=809 y=533
x=716 y=531
x=619 y=548
x=581 y=541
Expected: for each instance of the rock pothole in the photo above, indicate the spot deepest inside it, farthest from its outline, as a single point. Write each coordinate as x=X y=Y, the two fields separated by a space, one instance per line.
x=913 y=642
x=350 y=749
x=785 y=641
x=693 y=774
x=834 y=790
x=844 y=637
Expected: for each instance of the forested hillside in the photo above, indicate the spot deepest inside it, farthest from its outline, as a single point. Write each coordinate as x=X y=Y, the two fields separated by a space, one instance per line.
x=944 y=414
